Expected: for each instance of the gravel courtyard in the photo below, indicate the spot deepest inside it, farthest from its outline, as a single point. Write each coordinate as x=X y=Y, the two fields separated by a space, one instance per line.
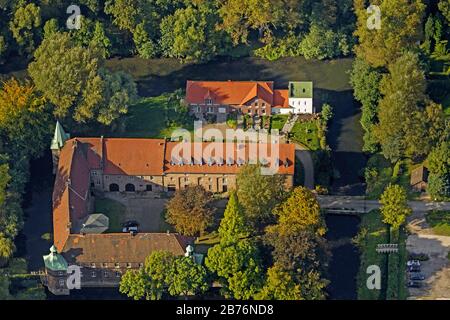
x=437 y=269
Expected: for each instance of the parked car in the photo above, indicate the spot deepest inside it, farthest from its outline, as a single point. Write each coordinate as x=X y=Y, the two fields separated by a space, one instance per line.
x=130 y=223
x=413 y=263
x=419 y=256
x=414 y=284
x=414 y=269
x=417 y=276
x=133 y=229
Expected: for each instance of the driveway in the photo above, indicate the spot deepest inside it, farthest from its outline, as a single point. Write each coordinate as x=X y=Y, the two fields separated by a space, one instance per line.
x=359 y=204
x=304 y=156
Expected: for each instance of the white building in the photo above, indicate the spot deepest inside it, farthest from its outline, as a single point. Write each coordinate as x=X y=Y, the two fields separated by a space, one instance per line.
x=299 y=99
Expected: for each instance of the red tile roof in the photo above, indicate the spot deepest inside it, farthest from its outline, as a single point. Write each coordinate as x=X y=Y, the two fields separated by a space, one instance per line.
x=228 y=92
x=121 y=247
x=281 y=99
x=71 y=190
x=223 y=151
x=135 y=157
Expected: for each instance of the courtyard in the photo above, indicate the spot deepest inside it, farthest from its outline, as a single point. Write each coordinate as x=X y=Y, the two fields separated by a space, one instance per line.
x=121 y=207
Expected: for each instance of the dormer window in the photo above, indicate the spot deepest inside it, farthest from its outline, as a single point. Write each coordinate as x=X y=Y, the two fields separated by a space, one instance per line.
x=208 y=101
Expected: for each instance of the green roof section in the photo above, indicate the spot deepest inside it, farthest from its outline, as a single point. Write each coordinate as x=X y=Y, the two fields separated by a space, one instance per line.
x=54 y=261
x=301 y=89
x=59 y=138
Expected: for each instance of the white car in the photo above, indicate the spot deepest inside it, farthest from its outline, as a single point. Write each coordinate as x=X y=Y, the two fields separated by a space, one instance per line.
x=411 y=263
x=133 y=229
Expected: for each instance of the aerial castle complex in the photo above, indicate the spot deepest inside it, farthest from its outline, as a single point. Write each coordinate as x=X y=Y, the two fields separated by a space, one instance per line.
x=88 y=167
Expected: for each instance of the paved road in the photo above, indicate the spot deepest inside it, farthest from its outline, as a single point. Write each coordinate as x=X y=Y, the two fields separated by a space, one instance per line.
x=303 y=154
x=358 y=204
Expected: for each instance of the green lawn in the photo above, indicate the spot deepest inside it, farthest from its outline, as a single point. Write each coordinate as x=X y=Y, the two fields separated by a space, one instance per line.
x=114 y=210
x=440 y=222
x=278 y=121
x=375 y=232
x=152 y=118
x=306 y=134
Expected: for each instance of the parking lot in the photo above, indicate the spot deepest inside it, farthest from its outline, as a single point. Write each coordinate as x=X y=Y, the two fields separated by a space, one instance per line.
x=436 y=269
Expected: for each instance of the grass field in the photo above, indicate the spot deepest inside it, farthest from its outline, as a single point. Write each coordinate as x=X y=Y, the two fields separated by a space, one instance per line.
x=114 y=210
x=278 y=121
x=151 y=118
x=373 y=232
x=306 y=134
x=440 y=222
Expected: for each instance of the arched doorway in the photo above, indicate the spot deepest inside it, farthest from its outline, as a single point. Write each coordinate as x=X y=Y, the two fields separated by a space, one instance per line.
x=113 y=187
x=129 y=187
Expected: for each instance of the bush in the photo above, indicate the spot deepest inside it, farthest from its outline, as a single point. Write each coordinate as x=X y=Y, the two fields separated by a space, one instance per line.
x=439 y=186
x=321 y=43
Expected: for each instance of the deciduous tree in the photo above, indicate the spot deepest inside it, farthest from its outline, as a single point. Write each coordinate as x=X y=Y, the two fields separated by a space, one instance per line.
x=25 y=26
x=279 y=285
x=300 y=211
x=403 y=91
x=394 y=206
x=439 y=159
x=239 y=266
x=190 y=210
x=24 y=118
x=365 y=81
x=70 y=77
x=6 y=246
x=190 y=34
x=186 y=277
x=259 y=194
x=400 y=30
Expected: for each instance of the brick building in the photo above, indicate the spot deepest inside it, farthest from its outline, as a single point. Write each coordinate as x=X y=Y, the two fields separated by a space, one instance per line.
x=254 y=98
x=85 y=166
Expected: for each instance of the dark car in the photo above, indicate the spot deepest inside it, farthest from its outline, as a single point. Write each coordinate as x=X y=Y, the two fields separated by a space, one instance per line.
x=417 y=276
x=131 y=223
x=414 y=284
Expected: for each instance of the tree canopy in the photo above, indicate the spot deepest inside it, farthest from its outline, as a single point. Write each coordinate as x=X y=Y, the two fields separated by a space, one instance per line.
x=394 y=206
x=71 y=78
x=190 y=210
x=163 y=274
x=400 y=30
x=259 y=194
